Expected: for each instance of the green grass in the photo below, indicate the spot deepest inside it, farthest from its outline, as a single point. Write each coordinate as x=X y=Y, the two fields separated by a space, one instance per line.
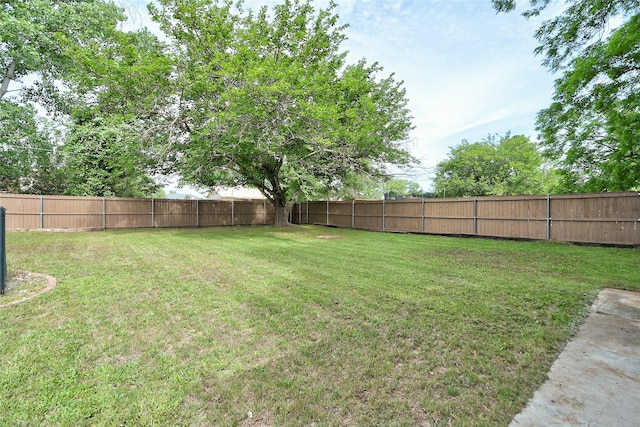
x=262 y=326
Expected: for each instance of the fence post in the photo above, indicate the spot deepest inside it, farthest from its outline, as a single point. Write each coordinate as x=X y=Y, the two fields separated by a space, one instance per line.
x=327 y=211
x=307 y=212
x=233 y=213
x=197 y=213
x=104 y=213
x=41 y=212
x=548 y=217
x=475 y=216
x=383 y=218
x=3 y=253
x=353 y=213
x=152 y=213
x=422 y=217
x=264 y=211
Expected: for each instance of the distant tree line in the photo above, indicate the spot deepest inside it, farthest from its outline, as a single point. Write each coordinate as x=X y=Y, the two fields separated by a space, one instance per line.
x=495 y=166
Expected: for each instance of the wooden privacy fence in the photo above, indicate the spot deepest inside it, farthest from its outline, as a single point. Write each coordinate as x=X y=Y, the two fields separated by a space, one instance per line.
x=603 y=218
x=26 y=212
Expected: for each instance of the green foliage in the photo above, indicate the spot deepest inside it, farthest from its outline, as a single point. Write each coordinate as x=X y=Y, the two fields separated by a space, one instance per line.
x=267 y=101
x=353 y=186
x=359 y=186
x=110 y=85
x=126 y=74
x=104 y=158
x=592 y=129
x=118 y=113
x=401 y=189
x=37 y=36
x=28 y=154
x=508 y=166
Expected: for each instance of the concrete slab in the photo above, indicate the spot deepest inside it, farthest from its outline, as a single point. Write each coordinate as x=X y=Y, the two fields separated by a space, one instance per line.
x=596 y=379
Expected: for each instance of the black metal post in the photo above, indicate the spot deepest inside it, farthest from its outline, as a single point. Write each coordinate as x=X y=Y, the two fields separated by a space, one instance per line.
x=548 y=217
x=3 y=253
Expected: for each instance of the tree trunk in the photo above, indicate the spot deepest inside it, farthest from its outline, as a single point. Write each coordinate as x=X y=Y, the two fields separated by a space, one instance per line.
x=9 y=75
x=282 y=209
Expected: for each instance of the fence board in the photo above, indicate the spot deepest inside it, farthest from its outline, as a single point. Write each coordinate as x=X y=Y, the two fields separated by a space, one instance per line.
x=340 y=214
x=403 y=215
x=174 y=213
x=67 y=212
x=317 y=213
x=251 y=212
x=448 y=216
x=368 y=214
x=22 y=211
x=128 y=213
x=213 y=213
x=521 y=217
x=610 y=218
x=300 y=213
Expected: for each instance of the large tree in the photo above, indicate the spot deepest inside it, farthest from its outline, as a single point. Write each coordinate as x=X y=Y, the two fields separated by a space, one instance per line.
x=592 y=128
x=70 y=58
x=35 y=38
x=119 y=105
x=510 y=165
x=267 y=100
x=107 y=87
x=104 y=157
x=29 y=160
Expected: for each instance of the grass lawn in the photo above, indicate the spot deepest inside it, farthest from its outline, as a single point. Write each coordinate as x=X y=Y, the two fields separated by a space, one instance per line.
x=260 y=326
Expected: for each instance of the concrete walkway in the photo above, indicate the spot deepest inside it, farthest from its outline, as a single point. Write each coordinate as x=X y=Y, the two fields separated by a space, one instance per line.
x=596 y=379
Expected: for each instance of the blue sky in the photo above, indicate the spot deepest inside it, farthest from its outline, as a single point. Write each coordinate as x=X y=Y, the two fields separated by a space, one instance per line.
x=468 y=71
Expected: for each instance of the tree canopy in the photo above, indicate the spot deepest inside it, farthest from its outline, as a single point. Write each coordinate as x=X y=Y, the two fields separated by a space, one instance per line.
x=106 y=88
x=267 y=100
x=122 y=92
x=29 y=162
x=592 y=128
x=509 y=165
x=37 y=36
x=104 y=158
x=353 y=186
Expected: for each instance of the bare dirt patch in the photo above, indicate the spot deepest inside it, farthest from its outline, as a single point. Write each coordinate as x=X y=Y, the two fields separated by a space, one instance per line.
x=328 y=236
x=23 y=285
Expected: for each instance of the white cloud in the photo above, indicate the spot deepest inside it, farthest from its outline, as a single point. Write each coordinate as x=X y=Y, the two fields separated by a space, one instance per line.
x=468 y=71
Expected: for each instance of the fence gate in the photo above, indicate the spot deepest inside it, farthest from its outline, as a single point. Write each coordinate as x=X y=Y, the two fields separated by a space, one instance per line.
x=3 y=254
